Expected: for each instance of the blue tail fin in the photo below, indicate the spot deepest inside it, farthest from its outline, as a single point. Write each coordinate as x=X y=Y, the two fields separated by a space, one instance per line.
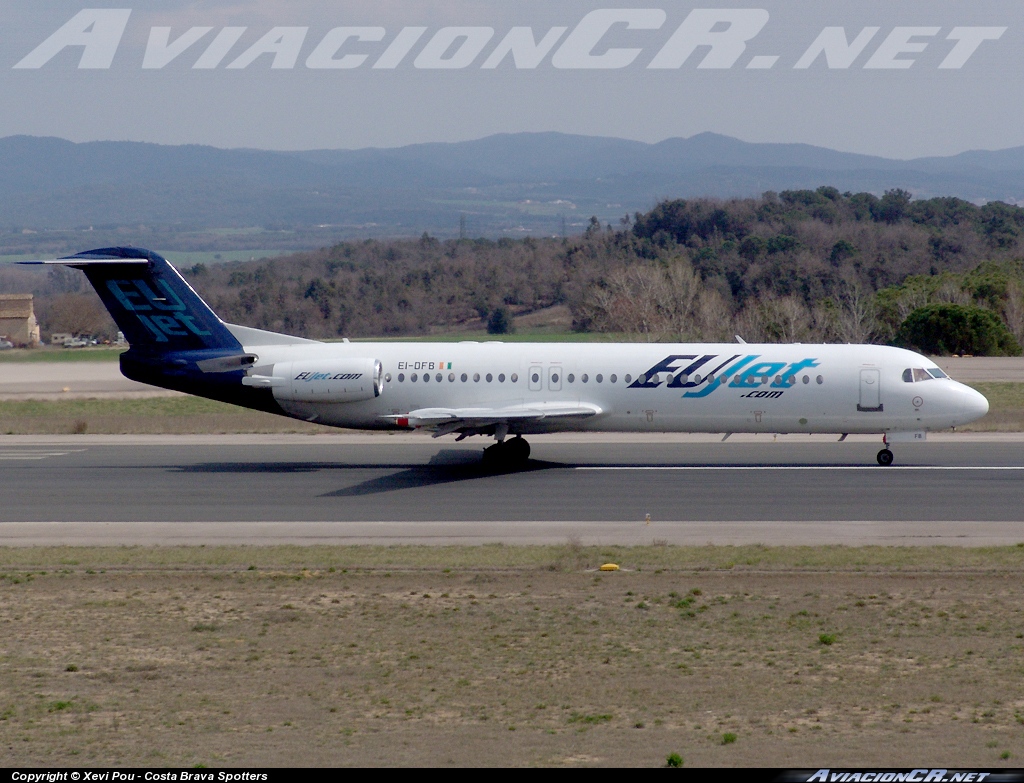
x=177 y=341
x=150 y=302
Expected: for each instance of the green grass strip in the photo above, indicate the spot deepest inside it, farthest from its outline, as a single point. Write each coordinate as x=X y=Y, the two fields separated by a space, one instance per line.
x=54 y=354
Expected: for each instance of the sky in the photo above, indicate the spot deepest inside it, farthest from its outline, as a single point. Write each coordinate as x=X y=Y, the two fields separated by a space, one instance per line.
x=897 y=79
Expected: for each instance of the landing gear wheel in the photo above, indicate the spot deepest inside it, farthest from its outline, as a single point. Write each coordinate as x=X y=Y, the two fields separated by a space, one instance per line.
x=494 y=456
x=518 y=450
x=885 y=457
x=506 y=455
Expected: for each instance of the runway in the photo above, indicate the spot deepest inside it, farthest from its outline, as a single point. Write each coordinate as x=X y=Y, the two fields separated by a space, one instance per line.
x=957 y=490
x=71 y=380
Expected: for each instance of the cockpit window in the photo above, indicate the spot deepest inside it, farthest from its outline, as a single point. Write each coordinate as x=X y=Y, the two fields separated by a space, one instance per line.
x=916 y=375
x=937 y=373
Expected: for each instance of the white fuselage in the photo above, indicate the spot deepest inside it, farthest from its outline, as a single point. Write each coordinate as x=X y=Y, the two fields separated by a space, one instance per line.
x=644 y=387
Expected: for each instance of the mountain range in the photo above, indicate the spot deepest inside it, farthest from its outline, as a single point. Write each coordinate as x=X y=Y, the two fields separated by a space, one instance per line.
x=507 y=184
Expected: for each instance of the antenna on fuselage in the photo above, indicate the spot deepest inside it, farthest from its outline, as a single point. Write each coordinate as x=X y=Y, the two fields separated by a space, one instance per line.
x=740 y=340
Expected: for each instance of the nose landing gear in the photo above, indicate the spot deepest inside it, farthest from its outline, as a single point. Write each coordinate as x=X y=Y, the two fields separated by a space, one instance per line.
x=507 y=454
x=884 y=457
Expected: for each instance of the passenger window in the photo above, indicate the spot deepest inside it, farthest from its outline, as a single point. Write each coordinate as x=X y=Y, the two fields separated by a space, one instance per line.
x=807 y=379
x=819 y=380
x=554 y=378
x=501 y=377
x=583 y=377
x=464 y=377
x=515 y=377
x=401 y=377
x=388 y=377
x=451 y=377
x=571 y=378
x=612 y=378
x=438 y=377
x=476 y=377
x=489 y=377
x=599 y=377
x=426 y=377
x=414 y=377
x=535 y=378
x=628 y=378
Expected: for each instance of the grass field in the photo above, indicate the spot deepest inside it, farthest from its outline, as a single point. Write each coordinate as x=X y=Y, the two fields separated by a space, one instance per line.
x=1006 y=407
x=512 y=656
x=55 y=354
x=147 y=416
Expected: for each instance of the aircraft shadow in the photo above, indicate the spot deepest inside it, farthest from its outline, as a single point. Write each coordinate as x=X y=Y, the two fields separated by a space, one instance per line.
x=453 y=466
x=445 y=467
x=432 y=475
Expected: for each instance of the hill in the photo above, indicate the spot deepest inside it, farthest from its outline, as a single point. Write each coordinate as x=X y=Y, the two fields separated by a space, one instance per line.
x=506 y=185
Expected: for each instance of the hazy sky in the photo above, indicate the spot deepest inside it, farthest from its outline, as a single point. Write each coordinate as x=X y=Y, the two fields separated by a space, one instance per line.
x=901 y=79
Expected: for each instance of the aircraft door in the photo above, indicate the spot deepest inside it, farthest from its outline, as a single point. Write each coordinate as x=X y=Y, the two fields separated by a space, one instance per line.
x=870 y=393
x=555 y=378
x=536 y=377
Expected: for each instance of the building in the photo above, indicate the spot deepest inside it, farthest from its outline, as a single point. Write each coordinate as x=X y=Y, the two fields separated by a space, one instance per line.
x=18 y=321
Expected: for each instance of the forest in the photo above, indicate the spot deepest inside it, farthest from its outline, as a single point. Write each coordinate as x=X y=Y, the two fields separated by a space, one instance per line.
x=794 y=266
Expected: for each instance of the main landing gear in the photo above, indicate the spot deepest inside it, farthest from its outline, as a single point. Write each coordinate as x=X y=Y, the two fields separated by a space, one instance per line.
x=507 y=454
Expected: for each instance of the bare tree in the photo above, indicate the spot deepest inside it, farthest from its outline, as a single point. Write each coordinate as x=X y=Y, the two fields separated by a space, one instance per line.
x=1013 y=310
x=855 y=318
x=79 y=314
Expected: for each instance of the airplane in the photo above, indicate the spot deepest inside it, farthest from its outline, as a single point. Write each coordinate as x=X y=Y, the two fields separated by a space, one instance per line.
x=508 y=390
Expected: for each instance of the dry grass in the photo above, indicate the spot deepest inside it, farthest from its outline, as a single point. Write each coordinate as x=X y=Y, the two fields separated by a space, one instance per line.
x=148 y=416
x=1006 y=407
x=511 y=656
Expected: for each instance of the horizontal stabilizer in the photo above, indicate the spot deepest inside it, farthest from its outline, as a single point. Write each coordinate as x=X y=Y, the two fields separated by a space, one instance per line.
x=76 y=261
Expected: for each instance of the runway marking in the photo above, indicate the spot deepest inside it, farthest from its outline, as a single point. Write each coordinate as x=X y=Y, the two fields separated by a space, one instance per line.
x=27 y=454
x=802 y=467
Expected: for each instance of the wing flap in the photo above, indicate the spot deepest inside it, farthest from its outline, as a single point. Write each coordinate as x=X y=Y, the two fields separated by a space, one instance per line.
x=476 y=417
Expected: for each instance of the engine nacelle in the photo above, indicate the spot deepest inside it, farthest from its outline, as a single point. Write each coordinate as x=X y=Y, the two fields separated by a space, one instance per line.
x=332 y=380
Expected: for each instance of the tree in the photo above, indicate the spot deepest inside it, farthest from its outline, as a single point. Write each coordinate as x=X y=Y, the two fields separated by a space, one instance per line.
x=79 y=314
x=953 y=328
x=499 y=321
x=892 y=206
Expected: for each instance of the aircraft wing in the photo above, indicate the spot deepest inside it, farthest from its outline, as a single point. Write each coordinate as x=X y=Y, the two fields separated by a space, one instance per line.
x=447 y=420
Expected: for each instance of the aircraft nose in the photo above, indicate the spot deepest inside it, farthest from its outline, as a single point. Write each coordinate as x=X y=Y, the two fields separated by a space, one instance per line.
x=973 y=403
